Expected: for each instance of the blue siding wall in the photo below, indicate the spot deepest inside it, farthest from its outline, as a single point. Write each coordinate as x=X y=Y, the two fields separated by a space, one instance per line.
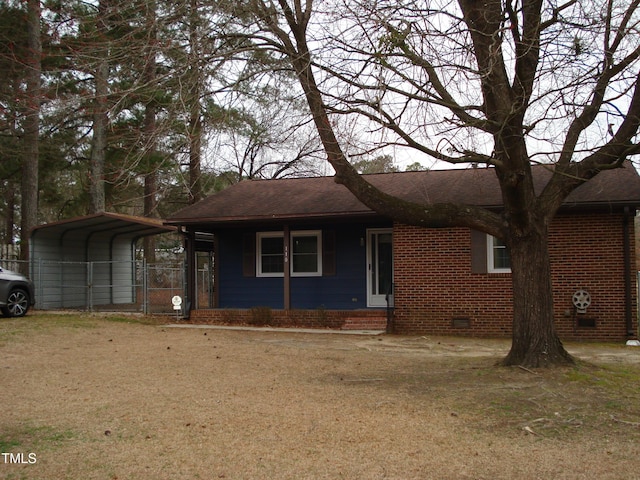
x=343 y=291
x=236 y=290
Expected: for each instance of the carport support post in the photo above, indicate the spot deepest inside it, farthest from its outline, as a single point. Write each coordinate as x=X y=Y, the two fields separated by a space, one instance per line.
x=89 y=275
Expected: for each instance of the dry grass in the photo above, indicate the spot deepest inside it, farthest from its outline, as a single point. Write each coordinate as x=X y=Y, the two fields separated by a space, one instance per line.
x=124 y=398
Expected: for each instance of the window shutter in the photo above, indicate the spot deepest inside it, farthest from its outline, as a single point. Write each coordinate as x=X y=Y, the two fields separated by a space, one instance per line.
x=249 y=255
x=328 y=252
x=478 y=252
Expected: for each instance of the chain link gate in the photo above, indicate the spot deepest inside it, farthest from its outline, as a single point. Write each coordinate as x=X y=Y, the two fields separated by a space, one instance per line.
x=160 y=283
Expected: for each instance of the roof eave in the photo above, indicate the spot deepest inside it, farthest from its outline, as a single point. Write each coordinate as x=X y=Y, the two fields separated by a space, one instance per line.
x=607 y=206
x=604 y=206
x=269 y=218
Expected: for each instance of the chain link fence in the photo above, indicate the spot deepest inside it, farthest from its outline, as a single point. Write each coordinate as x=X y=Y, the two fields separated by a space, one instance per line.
x=108 y=286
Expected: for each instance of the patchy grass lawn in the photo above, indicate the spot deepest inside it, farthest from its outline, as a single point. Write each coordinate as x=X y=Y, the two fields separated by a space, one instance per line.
x=91 y=397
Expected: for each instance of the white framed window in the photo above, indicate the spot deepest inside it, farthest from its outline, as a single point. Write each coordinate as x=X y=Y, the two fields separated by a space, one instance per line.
x=498 y=259
x=306 y=253
x=305 y=258
x=270 y=254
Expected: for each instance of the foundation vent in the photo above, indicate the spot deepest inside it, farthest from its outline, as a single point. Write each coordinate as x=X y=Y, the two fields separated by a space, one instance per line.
x=461 y=322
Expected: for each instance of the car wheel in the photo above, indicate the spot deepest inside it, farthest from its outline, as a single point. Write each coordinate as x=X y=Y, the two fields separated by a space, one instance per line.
x=17 y=304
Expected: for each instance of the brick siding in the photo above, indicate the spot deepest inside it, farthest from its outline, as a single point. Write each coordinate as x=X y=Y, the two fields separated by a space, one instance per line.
x=263 y=316
x=440 y=295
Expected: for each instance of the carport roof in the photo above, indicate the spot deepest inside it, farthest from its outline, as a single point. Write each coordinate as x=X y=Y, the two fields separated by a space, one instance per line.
x=114 y=224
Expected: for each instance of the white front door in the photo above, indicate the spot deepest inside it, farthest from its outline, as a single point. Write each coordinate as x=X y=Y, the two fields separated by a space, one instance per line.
x=380 y=266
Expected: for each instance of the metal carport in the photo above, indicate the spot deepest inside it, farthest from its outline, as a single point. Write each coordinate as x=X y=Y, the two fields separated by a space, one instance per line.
x=88 y=261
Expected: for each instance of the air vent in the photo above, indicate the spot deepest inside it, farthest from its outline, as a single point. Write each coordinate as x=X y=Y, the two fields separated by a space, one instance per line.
x=584 y=322
x=461 y=322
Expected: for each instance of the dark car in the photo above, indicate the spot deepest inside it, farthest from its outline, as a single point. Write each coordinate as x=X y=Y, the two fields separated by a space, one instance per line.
x=16 y=294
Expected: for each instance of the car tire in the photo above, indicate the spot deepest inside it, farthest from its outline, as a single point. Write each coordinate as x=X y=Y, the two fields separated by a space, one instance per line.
x=17 y=303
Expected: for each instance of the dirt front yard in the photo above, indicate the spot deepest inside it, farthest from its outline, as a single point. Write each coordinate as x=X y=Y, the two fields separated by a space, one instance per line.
x=86 y=397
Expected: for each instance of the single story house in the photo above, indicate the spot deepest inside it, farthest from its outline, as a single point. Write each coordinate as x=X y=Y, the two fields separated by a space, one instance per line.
x=306 y=252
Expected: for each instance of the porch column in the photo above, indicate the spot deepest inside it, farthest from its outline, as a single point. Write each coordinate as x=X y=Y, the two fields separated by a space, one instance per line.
x=287 y=269
x=190 y=247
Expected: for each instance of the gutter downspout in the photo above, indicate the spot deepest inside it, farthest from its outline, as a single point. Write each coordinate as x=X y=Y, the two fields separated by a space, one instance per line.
x=628 y=314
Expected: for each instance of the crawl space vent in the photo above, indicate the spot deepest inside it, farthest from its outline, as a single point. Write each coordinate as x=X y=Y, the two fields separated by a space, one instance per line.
x=584 y=322
x=461 y=322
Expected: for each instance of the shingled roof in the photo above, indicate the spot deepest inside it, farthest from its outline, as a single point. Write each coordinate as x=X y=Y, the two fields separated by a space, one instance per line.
x=322 y=197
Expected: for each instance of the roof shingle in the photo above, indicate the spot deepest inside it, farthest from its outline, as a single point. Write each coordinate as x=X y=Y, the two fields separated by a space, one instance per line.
x=319 y=197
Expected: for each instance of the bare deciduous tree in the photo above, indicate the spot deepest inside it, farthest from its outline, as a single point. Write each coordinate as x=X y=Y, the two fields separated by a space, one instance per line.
x=504 y=83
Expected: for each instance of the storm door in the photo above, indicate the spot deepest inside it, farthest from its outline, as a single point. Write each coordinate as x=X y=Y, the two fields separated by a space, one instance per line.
x=379 y=265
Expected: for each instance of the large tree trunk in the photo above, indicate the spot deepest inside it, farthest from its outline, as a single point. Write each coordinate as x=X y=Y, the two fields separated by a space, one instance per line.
x=29 y=211
x=150 y=133
x=99 y=139
x=196 y=192
x=150 y=209
x=10 y=215
x=535 y=341
x=100 y=113
x=150 y=180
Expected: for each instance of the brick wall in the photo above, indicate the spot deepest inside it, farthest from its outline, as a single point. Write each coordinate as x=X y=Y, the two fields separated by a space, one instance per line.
x=588 y=254
x=440 y=295
x=318 y=318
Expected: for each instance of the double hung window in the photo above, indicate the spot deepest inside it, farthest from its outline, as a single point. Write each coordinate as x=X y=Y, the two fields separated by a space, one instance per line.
x=498 y=259
x=305 y=254
x=270 y=254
